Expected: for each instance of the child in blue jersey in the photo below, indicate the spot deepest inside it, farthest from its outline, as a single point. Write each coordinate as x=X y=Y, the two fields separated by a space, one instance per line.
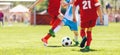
x=67 y=21
x=70 y=22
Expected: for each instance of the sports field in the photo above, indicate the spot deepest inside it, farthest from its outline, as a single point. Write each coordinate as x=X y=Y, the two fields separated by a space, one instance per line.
x=20 y=39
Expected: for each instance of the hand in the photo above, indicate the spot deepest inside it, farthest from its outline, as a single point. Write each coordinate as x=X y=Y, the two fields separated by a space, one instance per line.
x=74 y=20
x=30 y=10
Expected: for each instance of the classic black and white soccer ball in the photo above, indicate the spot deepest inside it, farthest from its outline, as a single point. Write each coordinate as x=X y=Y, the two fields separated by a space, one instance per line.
x=66 y=41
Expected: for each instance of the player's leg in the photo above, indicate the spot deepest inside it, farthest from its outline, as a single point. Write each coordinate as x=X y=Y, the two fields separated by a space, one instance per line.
x=83 y=35
x=73 y=27
x=51 y=33
x=55 y=23
x=55 y=27
x=89 y=38
x=76 y=38
x=58 y=27
x=2 y=21
x=89 y=34
x=45 y=39
x=58 y=20
x=82 y=32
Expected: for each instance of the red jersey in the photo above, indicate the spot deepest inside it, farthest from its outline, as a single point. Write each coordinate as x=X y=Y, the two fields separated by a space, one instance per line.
x=88 y=9
x=54 y=7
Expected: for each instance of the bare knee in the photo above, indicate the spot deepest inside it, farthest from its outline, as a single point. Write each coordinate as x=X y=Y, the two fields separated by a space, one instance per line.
x=60 y=16
x=89 y=29
x=76 y=33
x=82 y=28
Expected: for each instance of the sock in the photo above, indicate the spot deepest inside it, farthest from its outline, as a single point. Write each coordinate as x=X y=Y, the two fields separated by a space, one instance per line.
x=76 y=38
x=82 y=33
x=89 y=38
x=57 y=28
x=47 y=36
x=56 y=23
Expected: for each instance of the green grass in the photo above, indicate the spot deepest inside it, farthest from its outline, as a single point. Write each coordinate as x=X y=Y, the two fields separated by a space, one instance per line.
x=20 y=39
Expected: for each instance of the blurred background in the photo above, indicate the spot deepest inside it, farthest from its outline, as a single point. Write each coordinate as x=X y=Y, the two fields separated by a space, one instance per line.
x=21 y=30
x=13 y=11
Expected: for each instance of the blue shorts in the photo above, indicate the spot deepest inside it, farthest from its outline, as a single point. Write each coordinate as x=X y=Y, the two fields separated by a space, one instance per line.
x=72 y=25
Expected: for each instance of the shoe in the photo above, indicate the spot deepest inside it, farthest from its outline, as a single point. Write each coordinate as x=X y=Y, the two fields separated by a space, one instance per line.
x=86 y=49
x=51 y=32
x=44 y=41
x=82 y=44
x=76 y=43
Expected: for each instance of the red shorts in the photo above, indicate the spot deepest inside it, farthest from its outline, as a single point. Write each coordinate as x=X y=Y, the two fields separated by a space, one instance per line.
x=88 y=24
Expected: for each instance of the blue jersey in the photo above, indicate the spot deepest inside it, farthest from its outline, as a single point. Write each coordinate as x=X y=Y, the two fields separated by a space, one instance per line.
x=68 y=19
x=68 y=13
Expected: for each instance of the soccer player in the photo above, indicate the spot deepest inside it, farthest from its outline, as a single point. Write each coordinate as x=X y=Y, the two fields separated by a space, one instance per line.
x=68 y=21
x=56 y=15
x=54 y=12
x=89 y=11
x=69 y=16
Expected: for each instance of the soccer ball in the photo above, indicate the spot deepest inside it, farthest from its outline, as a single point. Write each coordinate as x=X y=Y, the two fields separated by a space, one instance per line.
x=66 y=41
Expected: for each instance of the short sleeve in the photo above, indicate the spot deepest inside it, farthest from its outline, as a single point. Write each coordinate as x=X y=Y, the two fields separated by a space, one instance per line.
x=96 y=3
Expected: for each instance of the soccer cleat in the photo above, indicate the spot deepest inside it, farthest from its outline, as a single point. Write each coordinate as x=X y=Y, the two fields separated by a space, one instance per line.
x=86 y=49
x=82 y=44
x=76 y=43
x=44 y=41
x=51 y=32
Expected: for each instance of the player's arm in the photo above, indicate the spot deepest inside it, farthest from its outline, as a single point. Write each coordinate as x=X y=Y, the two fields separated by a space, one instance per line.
x=100 y=15
x=74 y=15
x=38 y=1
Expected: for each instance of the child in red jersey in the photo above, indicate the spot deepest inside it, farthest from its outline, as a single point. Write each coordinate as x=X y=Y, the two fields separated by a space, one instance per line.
x=89 y=11
x=57 y=16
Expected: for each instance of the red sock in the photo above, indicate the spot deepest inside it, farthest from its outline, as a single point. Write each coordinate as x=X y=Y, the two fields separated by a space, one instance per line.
x=56 y=23
x=89 y=37
x=82 y=33
x=47 y=36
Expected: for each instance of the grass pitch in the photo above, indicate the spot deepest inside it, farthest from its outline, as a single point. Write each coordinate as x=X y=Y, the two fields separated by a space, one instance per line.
x=20 y=39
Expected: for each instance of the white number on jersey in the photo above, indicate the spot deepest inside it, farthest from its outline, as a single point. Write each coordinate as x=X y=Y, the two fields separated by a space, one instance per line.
x=86 y=4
